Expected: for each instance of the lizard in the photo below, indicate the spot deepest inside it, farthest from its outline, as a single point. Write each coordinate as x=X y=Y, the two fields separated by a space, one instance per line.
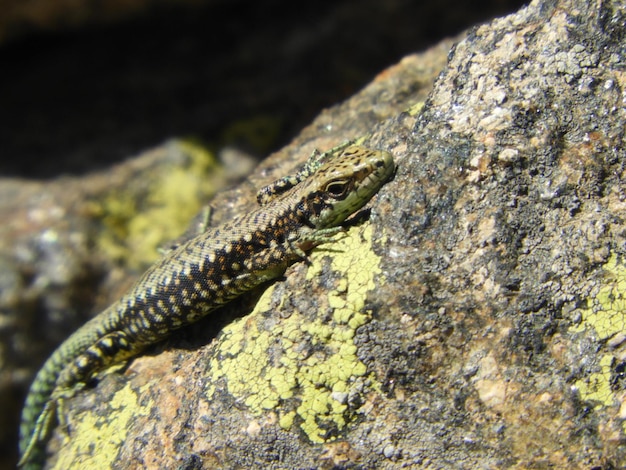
x=295 y=214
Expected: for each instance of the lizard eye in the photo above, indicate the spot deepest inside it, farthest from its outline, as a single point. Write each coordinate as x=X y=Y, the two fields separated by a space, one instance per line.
x=337 y=188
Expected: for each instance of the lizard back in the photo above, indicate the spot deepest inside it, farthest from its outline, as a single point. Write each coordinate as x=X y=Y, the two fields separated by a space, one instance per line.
x=206 y=272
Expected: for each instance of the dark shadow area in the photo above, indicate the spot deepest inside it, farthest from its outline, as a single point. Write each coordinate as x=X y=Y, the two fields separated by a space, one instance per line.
x=242 y=72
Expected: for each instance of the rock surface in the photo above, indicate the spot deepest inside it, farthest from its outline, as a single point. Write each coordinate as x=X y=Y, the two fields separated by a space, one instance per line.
x=474 y=321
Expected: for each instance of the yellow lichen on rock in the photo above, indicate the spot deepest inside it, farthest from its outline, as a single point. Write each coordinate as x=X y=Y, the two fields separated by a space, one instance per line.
x=143 y=217
x=605 y=316
x=307 y=368
x=96 y=439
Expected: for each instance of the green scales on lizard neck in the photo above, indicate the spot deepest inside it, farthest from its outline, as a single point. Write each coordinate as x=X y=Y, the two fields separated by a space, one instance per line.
x=296 y=213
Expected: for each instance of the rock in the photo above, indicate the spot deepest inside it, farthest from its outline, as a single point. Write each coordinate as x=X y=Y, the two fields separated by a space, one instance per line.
x=477 y=300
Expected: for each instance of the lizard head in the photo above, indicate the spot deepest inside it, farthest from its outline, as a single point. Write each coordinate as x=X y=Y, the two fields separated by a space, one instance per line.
x=344 y=184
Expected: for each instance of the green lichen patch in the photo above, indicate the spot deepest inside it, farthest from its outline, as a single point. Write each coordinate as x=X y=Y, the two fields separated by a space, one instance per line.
x=143 y=216
x=96 y=439
x=605 y=317
x=416 y=108
x=304 y=369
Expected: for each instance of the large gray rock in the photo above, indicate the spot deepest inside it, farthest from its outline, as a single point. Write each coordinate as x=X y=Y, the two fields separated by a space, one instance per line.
x=475 y=320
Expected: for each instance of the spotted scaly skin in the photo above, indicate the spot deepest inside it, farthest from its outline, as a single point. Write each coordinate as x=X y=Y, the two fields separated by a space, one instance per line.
x=297 y=213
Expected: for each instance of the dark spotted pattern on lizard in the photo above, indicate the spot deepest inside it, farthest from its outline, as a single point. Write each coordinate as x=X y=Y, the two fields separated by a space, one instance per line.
x=296 y=214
